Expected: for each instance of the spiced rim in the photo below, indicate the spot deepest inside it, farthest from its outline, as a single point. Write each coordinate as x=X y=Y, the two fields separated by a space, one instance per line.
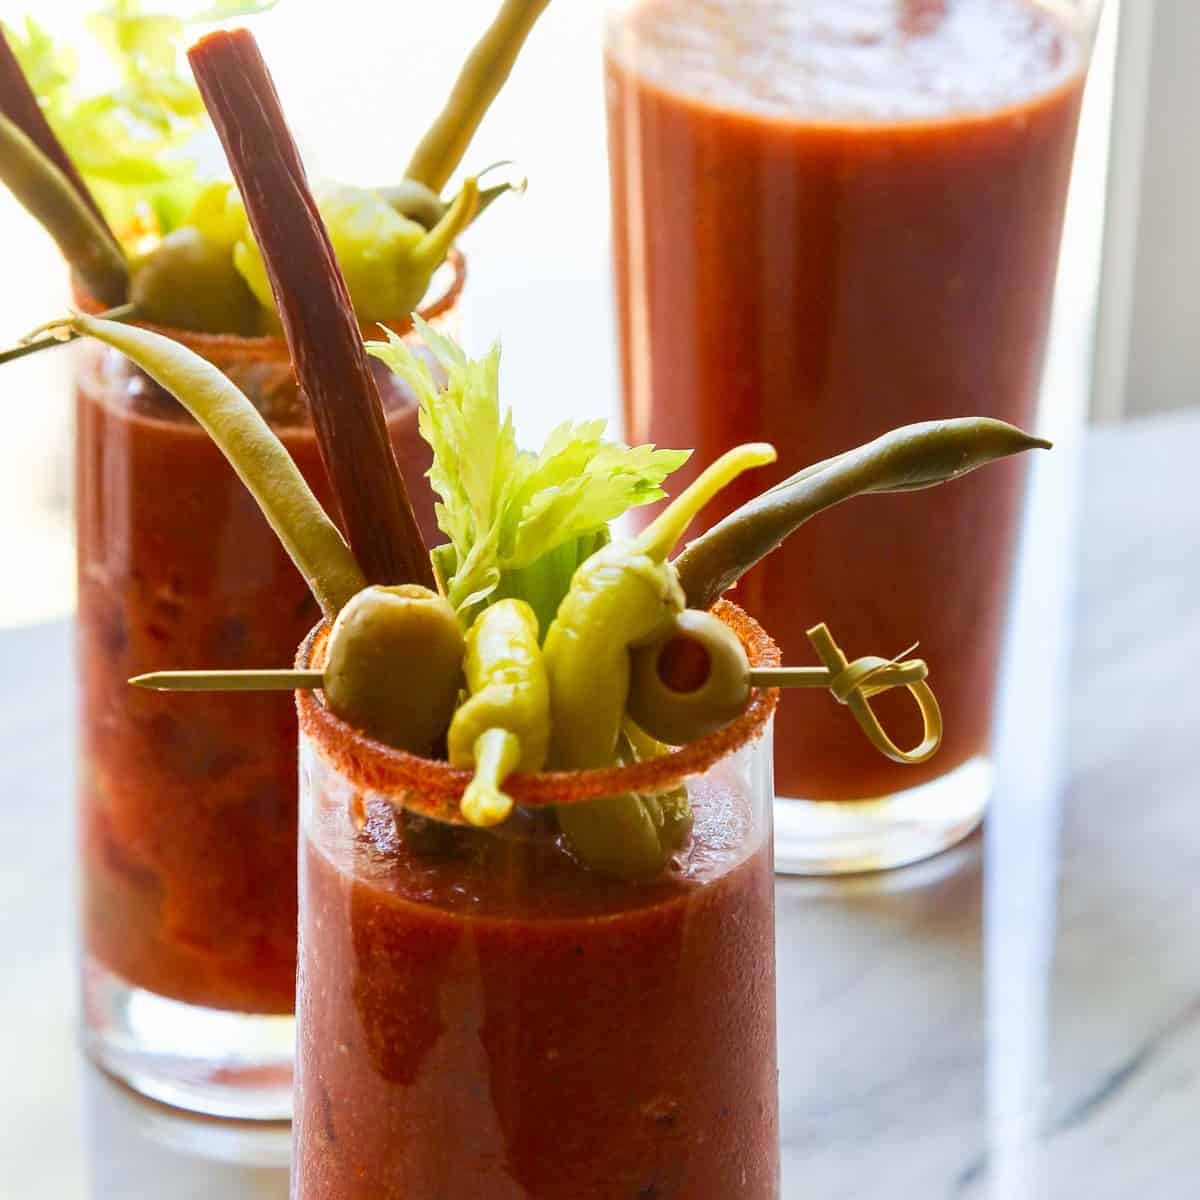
x=224 y=347
x=434 y=788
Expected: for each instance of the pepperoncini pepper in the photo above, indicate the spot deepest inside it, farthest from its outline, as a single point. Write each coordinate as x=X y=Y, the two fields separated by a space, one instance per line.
x=505 y=724
x=631 y=834
x=388 y=259
x=670 y=811
x=413 y=200
x=625 y=594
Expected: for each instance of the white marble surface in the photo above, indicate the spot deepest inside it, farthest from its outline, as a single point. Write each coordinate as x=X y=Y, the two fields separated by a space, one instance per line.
x=1016 y=1020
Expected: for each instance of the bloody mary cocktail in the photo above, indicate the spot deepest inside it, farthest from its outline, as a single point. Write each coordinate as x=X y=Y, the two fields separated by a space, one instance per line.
x=188 y=818
x=489 y=1018
x=829 y=217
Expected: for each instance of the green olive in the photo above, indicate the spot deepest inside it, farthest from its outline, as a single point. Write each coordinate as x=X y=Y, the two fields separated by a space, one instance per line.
x=691 y=682
x=190 y=282
x=393 y=666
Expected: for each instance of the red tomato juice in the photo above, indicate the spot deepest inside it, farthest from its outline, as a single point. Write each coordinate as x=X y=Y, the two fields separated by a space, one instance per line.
x=831 y=218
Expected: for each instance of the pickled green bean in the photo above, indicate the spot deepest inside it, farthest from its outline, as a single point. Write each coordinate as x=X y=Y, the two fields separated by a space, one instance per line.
x=908 y=458
x=481 y=78
x=312 y=540
x=48 y=195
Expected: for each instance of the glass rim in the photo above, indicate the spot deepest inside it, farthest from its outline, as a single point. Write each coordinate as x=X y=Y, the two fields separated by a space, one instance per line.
x=273 y=348
x=434 y=788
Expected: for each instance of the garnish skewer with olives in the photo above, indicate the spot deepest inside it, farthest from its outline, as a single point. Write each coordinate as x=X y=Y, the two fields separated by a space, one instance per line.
x=206 y=273
x=664 y=691
x=532 y=637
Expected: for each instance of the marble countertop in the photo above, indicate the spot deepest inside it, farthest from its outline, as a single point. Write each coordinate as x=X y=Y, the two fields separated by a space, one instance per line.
x=1017 y=1019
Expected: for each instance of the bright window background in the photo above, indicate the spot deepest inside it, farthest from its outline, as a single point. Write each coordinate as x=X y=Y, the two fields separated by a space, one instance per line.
x=360 y=79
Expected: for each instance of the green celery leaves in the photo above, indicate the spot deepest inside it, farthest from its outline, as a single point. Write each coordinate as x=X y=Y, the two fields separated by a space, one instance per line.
x=128 y=140
x=519 y=524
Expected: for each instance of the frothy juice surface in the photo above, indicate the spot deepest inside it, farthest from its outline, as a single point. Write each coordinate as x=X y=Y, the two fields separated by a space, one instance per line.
x=853 y=60
x=830 y=218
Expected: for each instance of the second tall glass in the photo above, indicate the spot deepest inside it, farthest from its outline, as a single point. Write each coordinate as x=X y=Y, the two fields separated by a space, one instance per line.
x=188 y=814
x=830 y=219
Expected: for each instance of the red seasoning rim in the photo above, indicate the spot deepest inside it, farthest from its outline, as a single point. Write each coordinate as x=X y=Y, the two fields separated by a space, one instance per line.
x=228 y=347
x=434 y=789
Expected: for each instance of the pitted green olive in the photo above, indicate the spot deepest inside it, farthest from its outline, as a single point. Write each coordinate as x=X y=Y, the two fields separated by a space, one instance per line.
x=691 y=682
x=393 y=666
x=189 y=281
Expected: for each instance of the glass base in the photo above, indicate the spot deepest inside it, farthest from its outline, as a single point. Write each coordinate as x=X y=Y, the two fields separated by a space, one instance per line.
x=221 y=1064
x=852 y=836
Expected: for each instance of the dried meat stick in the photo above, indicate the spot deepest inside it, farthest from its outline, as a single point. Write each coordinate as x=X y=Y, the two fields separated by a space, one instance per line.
x=314 y=306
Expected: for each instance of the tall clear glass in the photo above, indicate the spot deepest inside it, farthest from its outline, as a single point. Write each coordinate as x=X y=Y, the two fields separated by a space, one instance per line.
x=187 y=804
x=480 y=1015
x=829 y=219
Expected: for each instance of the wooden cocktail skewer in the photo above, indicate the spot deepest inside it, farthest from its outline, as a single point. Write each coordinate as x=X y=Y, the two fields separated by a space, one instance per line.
x=286 y=680
x=851 y=683
x=60 y=335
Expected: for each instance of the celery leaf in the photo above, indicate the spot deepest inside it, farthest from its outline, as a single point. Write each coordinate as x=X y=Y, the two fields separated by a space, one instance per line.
x=519 y=524
x=129 y=140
